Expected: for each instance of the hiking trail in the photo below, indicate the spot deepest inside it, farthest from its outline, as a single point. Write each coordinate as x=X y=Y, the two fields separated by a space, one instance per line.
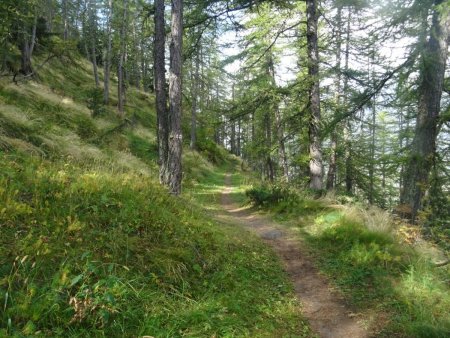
x=328 y=315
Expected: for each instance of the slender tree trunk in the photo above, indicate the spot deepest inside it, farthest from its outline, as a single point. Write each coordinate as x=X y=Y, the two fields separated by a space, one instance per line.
x=94 y=62
x=372 y=153
x=423 y=147
x=175 y=98
x=90 y=38
x=144 y=72
x=107 y=61
x=195 y=75
x=65 y=20
x=137 y=55
x=347 y=124
x=120 y=66
x=160 y=90
x=25 y=53
x=315 y=151
x=281 y=145
x=238 y=138
x=33 y=35
x=400 y=140
x=331 y=177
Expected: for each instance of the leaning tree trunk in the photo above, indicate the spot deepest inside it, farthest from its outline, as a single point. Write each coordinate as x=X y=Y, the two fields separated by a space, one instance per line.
x=175 y=135
x=315 y=151
x=423 y=147
x=160 y=90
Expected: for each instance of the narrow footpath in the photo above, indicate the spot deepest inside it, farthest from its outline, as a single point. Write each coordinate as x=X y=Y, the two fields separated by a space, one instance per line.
x=326 y=312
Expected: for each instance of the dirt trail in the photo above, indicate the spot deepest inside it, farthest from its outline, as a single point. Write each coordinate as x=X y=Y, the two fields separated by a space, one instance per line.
x=327 y=314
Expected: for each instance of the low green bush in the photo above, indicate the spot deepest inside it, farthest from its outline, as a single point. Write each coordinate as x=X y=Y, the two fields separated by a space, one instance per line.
x=269 y=194
x=212 y=151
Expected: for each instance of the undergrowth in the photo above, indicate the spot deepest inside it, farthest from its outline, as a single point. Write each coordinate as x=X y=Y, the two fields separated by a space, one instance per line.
x=360 y=249
x=92 y=246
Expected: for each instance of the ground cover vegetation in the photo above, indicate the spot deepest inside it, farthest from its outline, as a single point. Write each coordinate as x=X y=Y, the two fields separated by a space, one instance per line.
x=119 y=120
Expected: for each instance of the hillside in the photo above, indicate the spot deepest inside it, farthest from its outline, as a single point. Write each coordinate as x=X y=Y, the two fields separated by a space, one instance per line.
x=92 y=246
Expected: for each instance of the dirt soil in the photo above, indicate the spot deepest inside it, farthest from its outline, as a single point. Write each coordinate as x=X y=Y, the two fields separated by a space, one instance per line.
x=327 y=313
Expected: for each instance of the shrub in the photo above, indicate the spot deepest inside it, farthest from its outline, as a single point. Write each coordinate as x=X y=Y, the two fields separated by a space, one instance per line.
x=212 y=151
x=269 y=194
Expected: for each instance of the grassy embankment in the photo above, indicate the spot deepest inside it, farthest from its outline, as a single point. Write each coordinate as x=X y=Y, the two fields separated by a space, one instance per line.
x=376 y=261
x=92 y=246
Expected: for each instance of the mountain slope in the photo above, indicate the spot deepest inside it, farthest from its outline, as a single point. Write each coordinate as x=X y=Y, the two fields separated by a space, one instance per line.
x=93 y=246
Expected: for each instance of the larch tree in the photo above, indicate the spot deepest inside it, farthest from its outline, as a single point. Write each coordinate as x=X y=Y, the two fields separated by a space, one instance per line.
x=432 y=73
x=160 y=90
x=175 y=99
x=315 y=148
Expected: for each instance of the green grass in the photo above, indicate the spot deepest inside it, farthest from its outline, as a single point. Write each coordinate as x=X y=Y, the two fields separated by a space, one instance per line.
x=92 y=246
x=360 y=253
x=103 y=252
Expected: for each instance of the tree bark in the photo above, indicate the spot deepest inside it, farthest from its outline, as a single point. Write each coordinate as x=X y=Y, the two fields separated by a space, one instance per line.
x=331 y=177
x=315 y=151
x=107 y=61
x=120 y=66
x=195 y=74
x=25 y=53
x=160 y=90
x=175 y=98
x=65 y=20
x=347 y=125
x=423 y=148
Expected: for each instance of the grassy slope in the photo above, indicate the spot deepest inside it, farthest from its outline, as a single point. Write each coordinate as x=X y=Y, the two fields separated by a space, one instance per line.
x=366 y=254
x=91 y=245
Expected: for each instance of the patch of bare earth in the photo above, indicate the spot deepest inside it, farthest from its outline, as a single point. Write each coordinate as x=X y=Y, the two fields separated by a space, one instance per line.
x=325 y=310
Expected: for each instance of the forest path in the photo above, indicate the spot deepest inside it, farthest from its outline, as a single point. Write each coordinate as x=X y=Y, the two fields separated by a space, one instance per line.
x=326 y=312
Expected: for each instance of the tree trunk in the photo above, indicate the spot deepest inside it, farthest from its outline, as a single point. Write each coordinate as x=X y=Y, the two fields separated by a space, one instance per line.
x=65 y=20
x=331 y=177
x=281 y=145
x=94 y=62
x=33 y=35
x=195 y=74
x=160 y=90
x=175 y=97
x=238 y=138
x=120 y=66
x=372 y=153
x=107 y=62
x=347 y=125
x=315 y=151
x=423 y=147
x=25 y=53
